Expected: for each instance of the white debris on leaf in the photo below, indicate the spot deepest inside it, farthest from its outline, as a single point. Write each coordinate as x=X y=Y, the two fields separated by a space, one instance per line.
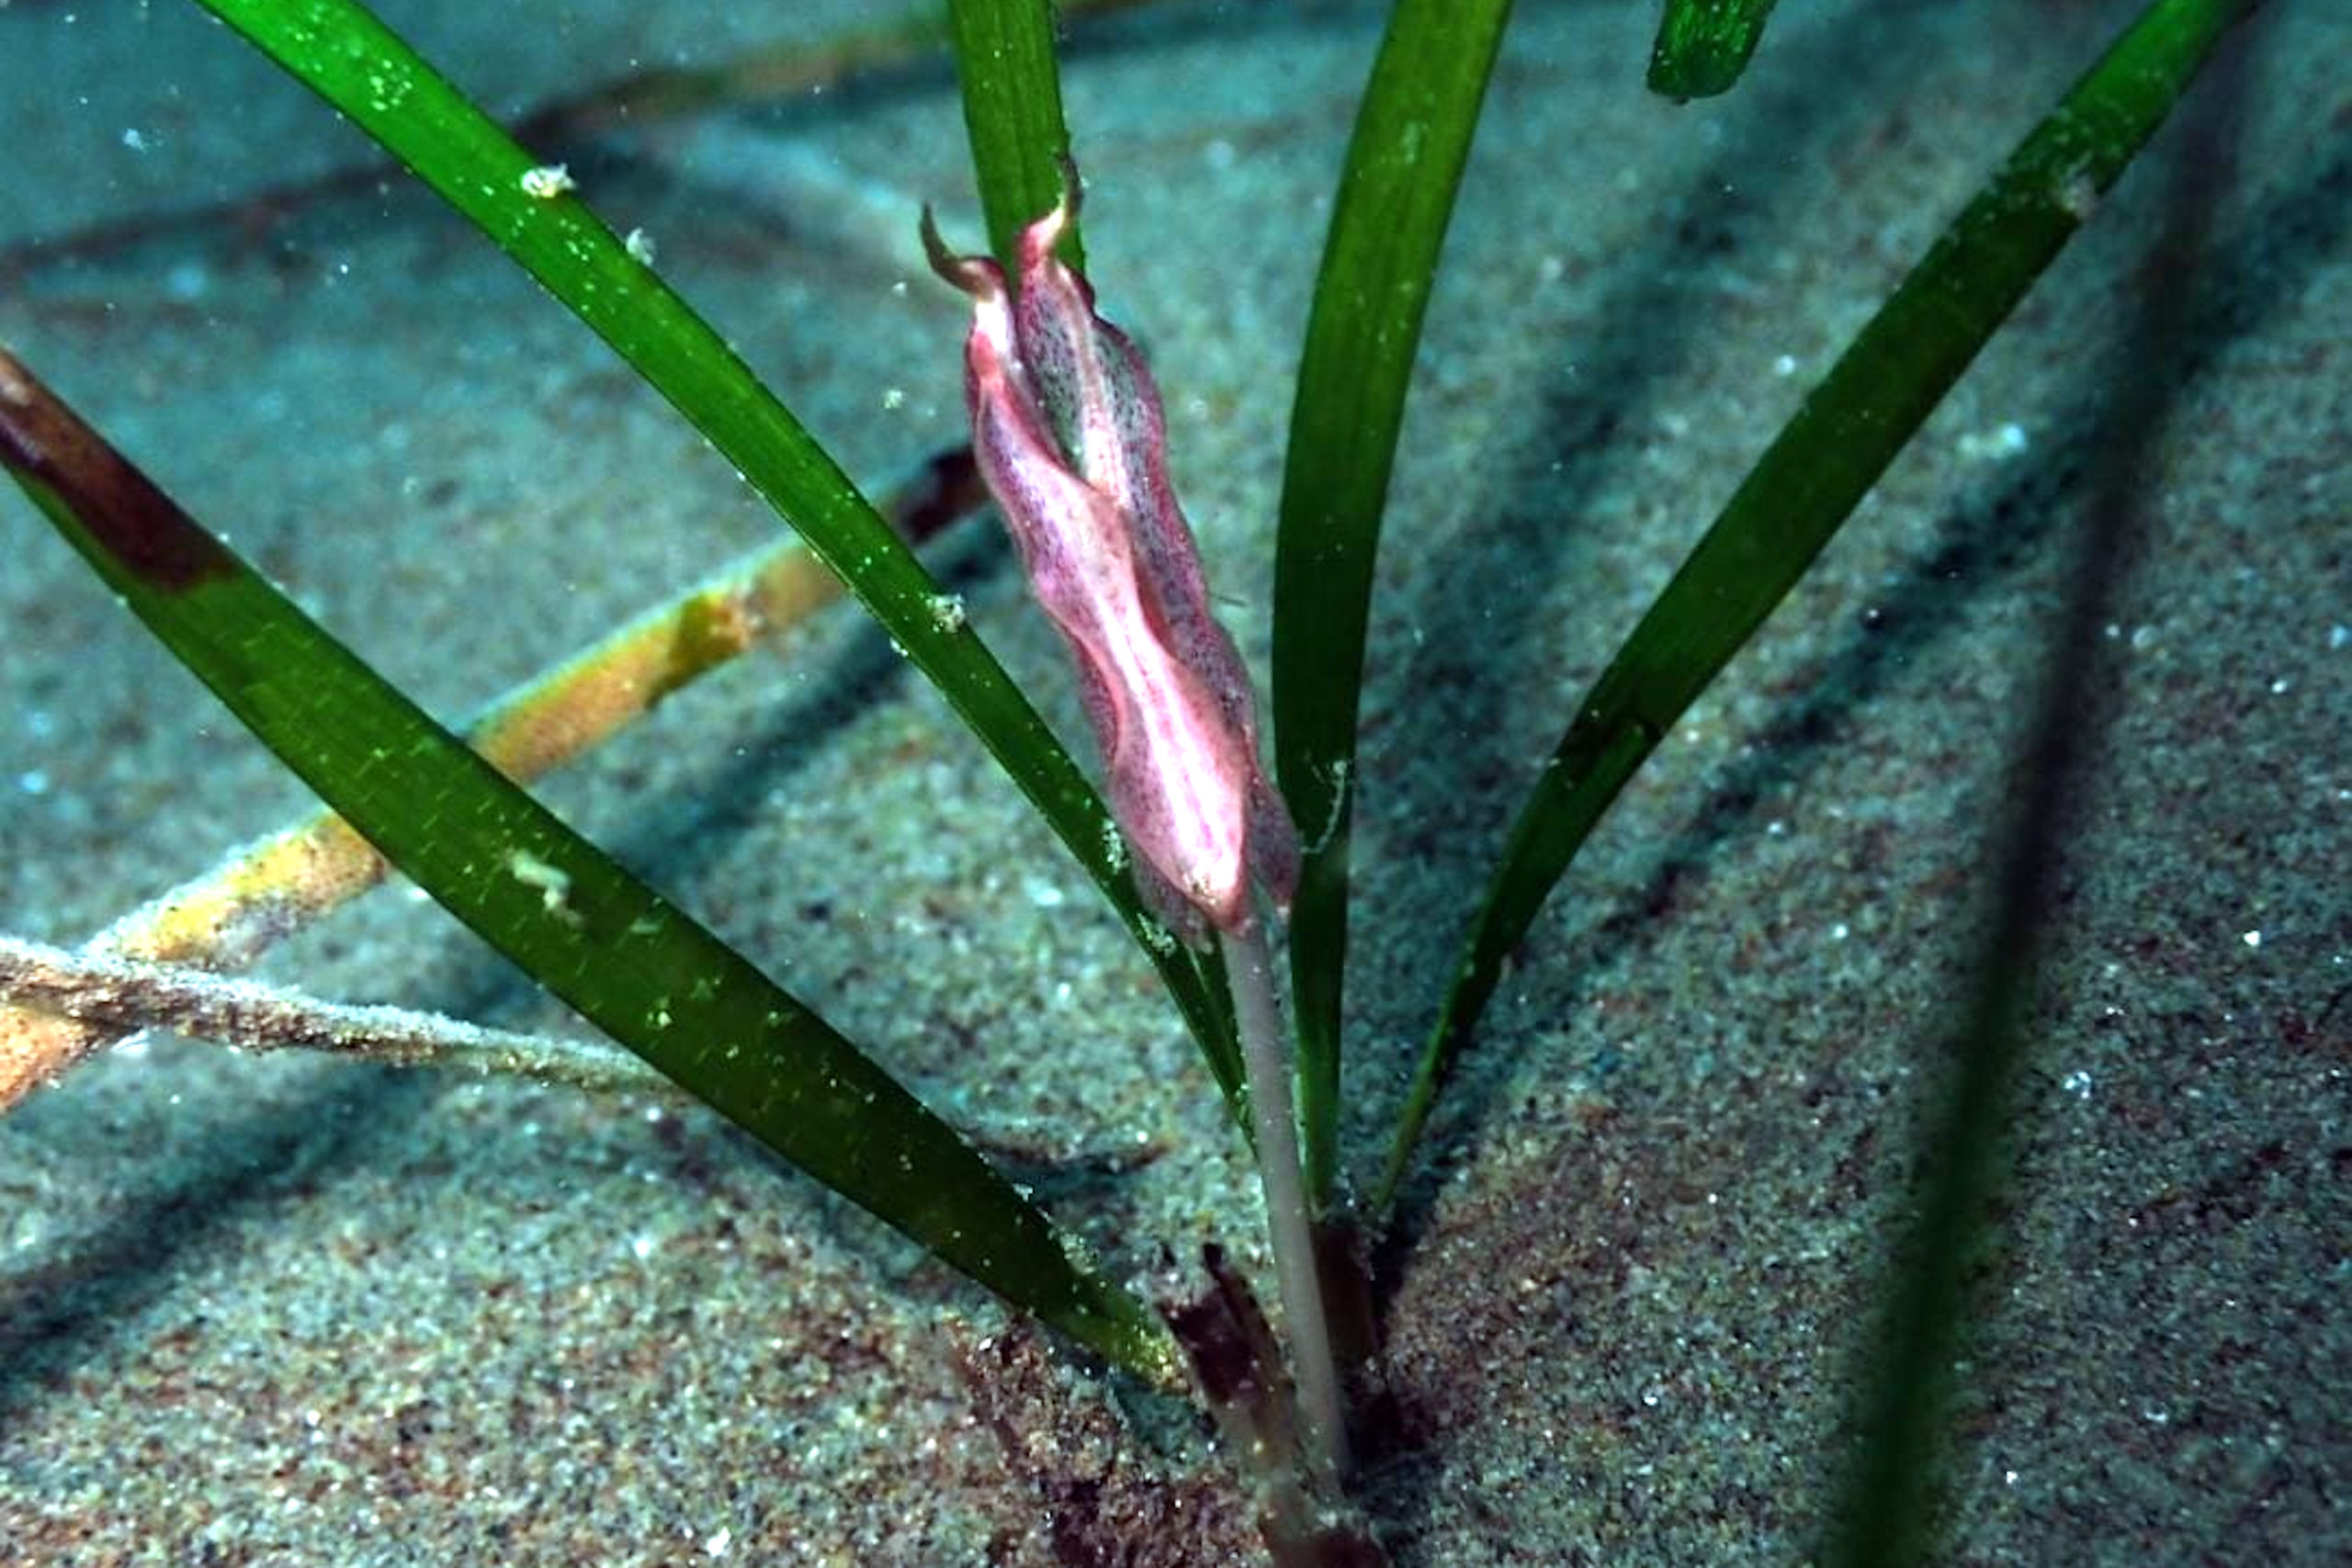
x=553 y=883
x=2077 y=194
x=548 y=181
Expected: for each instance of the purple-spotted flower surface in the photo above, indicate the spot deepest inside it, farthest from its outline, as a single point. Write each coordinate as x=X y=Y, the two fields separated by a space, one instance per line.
x=1070 y=434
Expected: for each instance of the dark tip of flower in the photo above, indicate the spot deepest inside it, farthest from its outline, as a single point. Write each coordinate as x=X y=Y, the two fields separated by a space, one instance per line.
x=944 y=262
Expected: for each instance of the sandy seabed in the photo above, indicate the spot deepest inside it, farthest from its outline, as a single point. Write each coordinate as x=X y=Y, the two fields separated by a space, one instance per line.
x=298 y=1311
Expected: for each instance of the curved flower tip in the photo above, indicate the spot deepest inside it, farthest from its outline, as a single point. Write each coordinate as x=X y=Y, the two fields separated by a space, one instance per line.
x=1070 y=436
x=976 y=275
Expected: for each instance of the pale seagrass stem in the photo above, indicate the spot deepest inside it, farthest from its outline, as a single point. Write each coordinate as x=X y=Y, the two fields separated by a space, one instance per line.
x=115 y=997
x=1305 y=1320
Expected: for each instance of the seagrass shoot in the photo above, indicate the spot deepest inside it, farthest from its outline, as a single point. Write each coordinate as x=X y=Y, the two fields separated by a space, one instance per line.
x=1192 y=840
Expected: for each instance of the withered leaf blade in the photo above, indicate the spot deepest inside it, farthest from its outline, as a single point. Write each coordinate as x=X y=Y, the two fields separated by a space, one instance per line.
x=45 y=446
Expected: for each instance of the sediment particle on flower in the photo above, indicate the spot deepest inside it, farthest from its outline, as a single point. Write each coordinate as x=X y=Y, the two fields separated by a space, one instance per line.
x=548 y=181
x=639 y=246
x=947 y=612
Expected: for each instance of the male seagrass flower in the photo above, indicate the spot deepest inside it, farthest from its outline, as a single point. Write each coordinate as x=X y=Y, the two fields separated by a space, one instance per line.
x=1070 y=434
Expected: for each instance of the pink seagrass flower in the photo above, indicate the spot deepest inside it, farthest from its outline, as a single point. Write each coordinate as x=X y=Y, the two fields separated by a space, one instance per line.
x=1069 y=432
